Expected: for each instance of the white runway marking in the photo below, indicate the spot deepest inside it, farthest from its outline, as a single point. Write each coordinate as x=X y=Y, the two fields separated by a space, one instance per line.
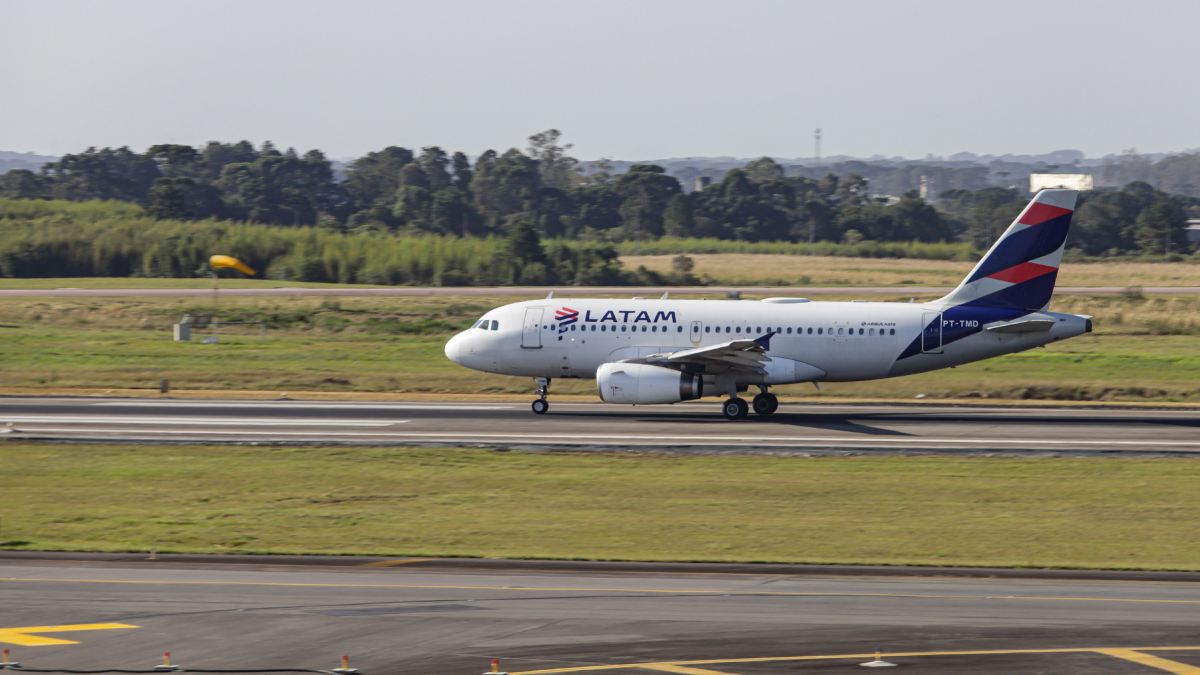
x=300 y=404
x=202 y=433
x=249 y=421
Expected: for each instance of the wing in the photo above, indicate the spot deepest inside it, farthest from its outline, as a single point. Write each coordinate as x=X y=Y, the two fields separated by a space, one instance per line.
x=745 y=355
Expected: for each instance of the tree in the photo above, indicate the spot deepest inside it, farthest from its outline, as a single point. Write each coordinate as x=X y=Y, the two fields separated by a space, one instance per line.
x=183 y=199
x=462 y=171
x=503 y=185
x=555 y=167
x=764 y=169
x=102 y=174
x=372 y=180
x=1161 y=226
x=527 y=259
x=434 y=162
x=176 y=161
x=645 y=190
x=916 y=220
x=23 y=184
x=679 y=219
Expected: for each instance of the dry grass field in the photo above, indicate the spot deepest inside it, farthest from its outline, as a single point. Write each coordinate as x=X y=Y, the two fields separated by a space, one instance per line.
x=767 y=270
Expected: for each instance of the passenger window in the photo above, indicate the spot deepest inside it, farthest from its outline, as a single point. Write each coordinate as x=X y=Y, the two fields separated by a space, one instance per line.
x=893 y=331
x=810 y=330
x=818 y=331
x=871 y=332
x=789 y=330
x=738 y=329
x=706 y=328
x=839 y=331
x=624 y=329
x=727 y=329
x=572 y=327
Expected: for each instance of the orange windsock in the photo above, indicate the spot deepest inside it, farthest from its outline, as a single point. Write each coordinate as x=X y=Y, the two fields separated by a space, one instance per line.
x=229 y=262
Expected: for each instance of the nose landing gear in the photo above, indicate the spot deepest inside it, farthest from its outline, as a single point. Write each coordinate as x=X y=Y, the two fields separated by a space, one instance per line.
x=541 y=405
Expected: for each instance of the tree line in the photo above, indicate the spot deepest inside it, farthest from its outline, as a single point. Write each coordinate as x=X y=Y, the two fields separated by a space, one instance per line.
x=543 y=191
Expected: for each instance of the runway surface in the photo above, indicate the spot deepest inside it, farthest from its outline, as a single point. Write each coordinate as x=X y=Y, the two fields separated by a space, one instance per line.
x=691 y=427
x=541 y=291
x=390 y=618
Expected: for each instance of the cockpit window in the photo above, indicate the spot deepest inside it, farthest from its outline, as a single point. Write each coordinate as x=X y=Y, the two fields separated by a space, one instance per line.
x=495 y=325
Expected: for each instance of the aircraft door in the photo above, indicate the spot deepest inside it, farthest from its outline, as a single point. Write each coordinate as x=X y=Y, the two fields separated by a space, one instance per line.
x=931 y=336
x=697 y=331
x=531 y=331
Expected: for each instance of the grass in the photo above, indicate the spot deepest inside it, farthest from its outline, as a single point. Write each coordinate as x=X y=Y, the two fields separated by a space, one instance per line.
x=762 y=269
x=1096 y=512
x=1144 y=350
x=156 y=282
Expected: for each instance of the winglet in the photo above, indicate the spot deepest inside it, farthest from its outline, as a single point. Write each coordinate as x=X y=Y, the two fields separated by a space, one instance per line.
x=764 y=341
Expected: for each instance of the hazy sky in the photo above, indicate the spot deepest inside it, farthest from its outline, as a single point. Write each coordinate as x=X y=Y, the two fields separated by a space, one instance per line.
x=621 y=78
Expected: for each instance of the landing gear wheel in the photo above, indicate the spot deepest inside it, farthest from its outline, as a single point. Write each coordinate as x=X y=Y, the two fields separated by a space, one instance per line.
x=540 y=406
x=734 y=409
x=765 y=404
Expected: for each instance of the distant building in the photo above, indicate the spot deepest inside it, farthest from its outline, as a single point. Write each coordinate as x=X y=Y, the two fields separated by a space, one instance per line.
x=1071 y=181
x=1193 y=231
x=701 y=183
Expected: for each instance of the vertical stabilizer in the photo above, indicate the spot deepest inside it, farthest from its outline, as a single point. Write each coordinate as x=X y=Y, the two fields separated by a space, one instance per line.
x=1020 y=269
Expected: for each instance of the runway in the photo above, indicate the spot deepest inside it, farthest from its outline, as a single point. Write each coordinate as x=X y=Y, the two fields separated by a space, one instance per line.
x=692 y=427
x=404 y=617
x=542 y=291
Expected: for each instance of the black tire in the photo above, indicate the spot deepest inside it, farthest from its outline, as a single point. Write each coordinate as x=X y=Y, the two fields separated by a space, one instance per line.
x=765 y=404
x=734 y=409
x=540 y=406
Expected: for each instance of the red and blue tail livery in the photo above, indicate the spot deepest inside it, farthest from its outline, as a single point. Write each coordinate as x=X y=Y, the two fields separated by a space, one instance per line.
x=1020 y=269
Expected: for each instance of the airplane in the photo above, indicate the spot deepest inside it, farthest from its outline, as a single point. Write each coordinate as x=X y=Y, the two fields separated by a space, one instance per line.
x=657 y=351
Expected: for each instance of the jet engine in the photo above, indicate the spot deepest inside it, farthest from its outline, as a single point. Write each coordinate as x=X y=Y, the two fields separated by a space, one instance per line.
x=643 y=383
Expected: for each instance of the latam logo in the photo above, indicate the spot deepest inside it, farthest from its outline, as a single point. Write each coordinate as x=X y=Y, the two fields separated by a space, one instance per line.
x=565 y=316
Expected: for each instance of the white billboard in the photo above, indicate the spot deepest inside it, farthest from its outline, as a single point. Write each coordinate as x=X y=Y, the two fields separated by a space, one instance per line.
x=1071 y=181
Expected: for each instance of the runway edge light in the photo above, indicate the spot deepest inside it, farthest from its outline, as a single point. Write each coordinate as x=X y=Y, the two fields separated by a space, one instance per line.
x=7 y=661
x=166 y=665
x=878 y=662
x=345 y=668
x=495 y=668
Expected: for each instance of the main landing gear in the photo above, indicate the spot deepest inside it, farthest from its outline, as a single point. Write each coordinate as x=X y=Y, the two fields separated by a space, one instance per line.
x=764 y=403
x=541 y=405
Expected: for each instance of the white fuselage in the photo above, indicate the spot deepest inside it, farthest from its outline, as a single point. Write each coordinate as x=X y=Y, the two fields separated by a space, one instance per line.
x=841 y=341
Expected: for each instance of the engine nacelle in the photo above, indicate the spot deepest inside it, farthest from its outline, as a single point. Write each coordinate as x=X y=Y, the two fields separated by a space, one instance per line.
x=642 y=383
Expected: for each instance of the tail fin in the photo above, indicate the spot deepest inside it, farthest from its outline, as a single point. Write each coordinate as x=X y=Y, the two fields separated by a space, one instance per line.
x=1021 y=267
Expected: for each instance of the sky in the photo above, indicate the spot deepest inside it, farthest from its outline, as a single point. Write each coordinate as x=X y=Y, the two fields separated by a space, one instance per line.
x=624 y=79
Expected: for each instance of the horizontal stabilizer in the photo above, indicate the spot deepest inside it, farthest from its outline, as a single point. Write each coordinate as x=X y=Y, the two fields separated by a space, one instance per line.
x=1021 y=326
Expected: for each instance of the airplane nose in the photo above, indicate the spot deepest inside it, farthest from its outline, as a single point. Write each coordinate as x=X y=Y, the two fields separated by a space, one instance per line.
x=454 y=348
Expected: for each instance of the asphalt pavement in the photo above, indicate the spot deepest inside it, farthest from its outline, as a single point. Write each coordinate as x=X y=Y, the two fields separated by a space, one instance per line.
x=691 y=427
x=392 y=618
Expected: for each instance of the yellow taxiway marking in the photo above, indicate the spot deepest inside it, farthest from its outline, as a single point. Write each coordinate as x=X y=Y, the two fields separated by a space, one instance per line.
x=593 y=589
x=1152 y=661
x=25 y=635
x=1124 y=653
x=683 y=670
